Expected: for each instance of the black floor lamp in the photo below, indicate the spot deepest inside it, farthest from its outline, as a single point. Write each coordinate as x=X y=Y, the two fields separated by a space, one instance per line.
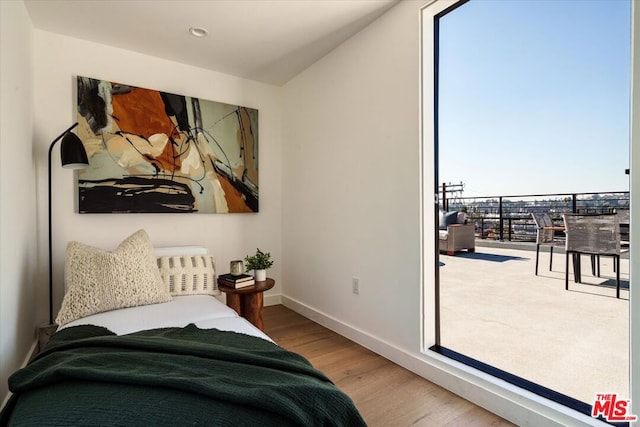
x=73 y=156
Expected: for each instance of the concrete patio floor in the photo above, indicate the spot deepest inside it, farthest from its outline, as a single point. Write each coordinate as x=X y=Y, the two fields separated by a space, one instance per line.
x=496 y=310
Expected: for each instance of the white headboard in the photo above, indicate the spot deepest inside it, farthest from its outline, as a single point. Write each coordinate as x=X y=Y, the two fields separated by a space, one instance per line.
x=180 y=251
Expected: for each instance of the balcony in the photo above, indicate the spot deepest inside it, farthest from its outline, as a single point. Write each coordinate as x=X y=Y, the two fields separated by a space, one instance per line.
x=496 y=310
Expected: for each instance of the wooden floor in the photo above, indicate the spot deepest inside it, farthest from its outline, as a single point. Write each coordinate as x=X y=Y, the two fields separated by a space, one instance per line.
x=386 y=394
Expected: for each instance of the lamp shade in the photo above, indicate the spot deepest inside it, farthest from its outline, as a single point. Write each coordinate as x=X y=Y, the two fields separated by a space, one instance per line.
x=72 y=152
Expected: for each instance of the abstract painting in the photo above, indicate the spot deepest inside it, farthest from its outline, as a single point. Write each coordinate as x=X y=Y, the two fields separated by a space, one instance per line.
x=156 y=152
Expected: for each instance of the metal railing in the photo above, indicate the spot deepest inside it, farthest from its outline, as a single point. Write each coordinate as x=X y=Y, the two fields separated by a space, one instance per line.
x=509 y=217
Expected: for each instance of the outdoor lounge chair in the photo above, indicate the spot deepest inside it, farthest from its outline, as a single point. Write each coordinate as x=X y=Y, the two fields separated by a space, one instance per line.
x=454 y=234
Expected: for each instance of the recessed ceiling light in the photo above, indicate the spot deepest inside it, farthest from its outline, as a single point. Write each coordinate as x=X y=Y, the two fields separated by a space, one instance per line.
x=198 y=32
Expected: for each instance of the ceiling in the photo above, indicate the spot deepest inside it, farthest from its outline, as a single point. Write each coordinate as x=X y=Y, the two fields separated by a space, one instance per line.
x=264 y=40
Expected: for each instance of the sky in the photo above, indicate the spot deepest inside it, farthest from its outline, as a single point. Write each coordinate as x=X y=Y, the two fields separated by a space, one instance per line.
x=534 y=96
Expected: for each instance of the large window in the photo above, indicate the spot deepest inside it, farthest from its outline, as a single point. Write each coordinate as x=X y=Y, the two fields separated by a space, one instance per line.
x=532 y=115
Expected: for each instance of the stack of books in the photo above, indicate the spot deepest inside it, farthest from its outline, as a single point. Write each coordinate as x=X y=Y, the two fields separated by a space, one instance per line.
x=236 y=281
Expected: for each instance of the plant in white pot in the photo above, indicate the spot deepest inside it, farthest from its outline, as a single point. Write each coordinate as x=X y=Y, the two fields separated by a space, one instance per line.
x=259 y=263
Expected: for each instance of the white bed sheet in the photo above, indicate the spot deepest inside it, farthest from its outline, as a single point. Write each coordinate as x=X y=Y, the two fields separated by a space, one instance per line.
x=205 y=311
x=235 y=324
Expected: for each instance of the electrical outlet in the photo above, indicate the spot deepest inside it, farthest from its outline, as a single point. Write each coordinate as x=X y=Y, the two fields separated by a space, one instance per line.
x=355 y=284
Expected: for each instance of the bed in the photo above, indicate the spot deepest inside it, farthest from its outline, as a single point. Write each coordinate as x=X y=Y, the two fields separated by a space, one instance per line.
x=186 y=361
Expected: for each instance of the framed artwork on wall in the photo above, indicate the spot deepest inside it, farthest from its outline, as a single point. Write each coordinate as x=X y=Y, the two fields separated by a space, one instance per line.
x=156 y=152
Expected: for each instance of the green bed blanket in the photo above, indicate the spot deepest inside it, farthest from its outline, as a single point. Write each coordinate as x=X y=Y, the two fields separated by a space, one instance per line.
x=88 y=376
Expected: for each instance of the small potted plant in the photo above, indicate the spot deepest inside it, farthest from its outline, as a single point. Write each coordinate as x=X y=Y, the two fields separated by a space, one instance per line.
x=259 y=263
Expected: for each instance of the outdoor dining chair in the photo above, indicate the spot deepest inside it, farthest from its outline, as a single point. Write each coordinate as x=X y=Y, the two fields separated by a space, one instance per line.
x=624 y=220
x=594 y=235
x=545 y=235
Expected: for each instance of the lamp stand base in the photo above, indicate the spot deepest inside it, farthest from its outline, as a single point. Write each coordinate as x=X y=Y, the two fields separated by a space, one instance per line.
x=44 y=334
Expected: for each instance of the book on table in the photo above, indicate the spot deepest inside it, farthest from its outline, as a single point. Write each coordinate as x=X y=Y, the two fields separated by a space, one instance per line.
x=235 y=278
x=237 y=285
x=236 y=281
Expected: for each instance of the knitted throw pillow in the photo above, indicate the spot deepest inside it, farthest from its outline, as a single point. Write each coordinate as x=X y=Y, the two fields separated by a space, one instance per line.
x=100 y=281
x=189 y=274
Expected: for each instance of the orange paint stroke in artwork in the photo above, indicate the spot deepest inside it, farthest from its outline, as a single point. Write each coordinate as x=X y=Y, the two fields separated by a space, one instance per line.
x=141 y=112
x=234 y=199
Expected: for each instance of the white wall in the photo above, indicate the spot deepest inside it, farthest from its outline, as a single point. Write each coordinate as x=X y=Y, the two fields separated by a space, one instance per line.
x=58 y=60
x=18 y=254
x=351 y=181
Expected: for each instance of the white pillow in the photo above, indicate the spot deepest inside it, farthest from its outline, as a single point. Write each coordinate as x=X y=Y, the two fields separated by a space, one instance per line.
x=189 y=275
x=99 y=280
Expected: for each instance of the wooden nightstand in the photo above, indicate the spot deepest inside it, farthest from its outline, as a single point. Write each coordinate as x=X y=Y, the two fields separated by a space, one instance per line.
x=248 y=301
